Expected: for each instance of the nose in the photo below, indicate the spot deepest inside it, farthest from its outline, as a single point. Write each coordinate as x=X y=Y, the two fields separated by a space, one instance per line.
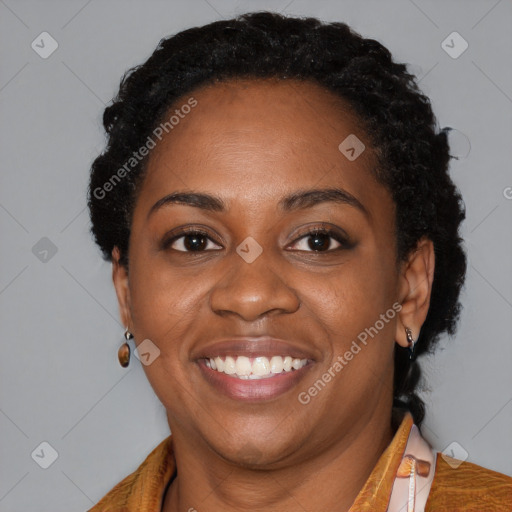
x=253 y=290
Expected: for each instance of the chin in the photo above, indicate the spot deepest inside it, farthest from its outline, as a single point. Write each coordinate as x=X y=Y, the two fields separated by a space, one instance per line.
x=254 y=450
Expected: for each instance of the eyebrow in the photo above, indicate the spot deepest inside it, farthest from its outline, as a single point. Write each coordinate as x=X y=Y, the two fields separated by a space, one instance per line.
x=299 y=200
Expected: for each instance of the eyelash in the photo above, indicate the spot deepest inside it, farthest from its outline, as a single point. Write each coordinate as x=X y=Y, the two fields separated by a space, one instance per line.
x=331 y=233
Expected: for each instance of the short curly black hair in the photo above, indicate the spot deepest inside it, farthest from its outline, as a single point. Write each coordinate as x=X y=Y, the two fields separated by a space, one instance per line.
x=413 y=156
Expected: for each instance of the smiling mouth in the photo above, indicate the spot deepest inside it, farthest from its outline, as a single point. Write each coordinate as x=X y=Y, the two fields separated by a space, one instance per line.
x=254 y=368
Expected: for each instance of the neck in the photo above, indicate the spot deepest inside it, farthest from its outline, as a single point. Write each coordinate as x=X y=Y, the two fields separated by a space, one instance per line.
x=329 y=481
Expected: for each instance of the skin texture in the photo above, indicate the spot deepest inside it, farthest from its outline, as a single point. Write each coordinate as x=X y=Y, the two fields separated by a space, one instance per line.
x=251 y=143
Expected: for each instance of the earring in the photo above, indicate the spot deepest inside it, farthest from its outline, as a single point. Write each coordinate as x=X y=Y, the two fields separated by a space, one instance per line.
x=123 y=353
x=410 y=341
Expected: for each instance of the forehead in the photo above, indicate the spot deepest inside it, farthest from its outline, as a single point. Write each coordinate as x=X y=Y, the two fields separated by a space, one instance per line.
x=253 y=139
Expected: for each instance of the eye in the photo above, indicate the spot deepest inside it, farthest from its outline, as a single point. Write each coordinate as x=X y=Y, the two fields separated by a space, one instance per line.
x=189 y=240
x=314 y=240
x=321 y=240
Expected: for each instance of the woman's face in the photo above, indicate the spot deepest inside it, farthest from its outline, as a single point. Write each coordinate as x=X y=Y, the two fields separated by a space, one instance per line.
x=258 y=154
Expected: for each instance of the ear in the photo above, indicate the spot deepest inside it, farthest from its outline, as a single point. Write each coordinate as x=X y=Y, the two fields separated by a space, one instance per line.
x=120 y=278
x=415 y=288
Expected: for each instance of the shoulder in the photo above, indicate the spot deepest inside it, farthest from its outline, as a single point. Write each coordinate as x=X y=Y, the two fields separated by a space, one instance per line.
x=464 y=486
x=141 y=488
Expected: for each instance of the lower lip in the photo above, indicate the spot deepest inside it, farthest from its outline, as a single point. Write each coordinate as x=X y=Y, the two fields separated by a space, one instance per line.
x=255 y=389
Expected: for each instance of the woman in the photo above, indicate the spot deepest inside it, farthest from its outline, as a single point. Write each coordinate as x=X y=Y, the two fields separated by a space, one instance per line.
x=275 y=201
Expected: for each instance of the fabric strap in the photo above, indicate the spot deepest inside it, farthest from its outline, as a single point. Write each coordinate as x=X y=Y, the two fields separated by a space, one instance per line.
x=414 y=476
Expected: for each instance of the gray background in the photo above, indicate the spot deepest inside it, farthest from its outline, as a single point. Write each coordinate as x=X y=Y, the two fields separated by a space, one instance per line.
x=60 y=328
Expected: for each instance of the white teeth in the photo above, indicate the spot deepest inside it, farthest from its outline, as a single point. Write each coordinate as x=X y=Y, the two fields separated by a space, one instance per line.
x=276 y=364
x=219 y=363
x=260 y=368
x=243 y=366
x=257 y=377
x=229 y=366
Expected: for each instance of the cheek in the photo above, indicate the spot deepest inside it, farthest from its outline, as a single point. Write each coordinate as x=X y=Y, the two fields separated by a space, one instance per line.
x=354 y=295
x=162 y=299
x=166 y=308
x=356 y=311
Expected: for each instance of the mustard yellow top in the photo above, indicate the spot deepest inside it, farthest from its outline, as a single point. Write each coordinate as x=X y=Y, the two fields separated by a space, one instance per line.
x=456 y=488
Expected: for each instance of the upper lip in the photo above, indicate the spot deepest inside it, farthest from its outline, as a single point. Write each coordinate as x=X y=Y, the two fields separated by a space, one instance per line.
x=253 y=347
